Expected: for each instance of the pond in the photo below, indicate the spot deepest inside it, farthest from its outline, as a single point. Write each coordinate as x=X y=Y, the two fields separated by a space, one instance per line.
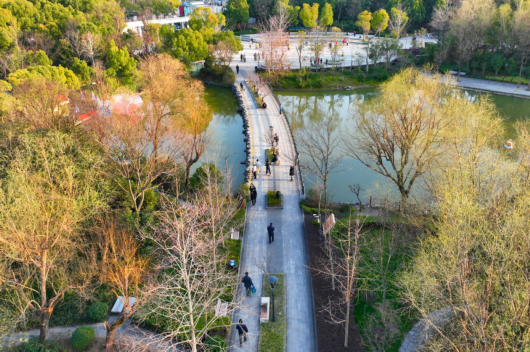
x=303 y=107
x=227 y=147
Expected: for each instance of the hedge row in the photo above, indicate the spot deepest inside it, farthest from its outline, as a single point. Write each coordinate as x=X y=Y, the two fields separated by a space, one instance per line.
x=309 y=210
x=507 y=79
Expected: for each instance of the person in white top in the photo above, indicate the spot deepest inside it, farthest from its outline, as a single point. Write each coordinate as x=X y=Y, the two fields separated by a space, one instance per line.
x=258 y=165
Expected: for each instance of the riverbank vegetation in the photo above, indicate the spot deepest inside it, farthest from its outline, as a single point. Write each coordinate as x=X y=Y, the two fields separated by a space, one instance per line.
x=465 y=206
x=88 y=210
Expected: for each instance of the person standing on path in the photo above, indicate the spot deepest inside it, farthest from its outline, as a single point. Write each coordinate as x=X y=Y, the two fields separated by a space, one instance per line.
x=281 y=109
x=253 y=196
x=237 y=69
x=247 y=282
x=242 y=330
x=255 y=171
x=258 y=165
x=277 y=140
x=270 y=230
x=268 y=167
x=291 y=172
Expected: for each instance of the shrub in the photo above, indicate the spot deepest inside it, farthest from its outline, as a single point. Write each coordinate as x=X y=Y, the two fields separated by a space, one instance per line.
x=215 y=344
x=83 y=337
x=38 y=346
x=255 y=29
x=272 y=200
x=98 y=311
x=308 y=210
x=315 y=222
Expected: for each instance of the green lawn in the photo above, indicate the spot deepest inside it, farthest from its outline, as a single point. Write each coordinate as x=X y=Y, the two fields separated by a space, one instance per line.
x=272 y=335
x=269 y=156
x=272 y=201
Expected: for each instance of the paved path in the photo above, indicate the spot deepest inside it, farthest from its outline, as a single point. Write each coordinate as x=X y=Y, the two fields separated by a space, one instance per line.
x=494 y=87
x=288 y=253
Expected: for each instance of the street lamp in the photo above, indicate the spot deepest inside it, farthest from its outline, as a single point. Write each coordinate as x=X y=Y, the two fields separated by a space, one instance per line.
x=272 y=281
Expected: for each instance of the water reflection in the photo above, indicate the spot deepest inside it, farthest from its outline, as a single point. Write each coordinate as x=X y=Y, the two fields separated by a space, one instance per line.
x=305 y=108
x=227 y=146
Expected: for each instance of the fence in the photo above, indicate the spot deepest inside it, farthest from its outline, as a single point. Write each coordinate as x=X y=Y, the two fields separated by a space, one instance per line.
x=286 y=120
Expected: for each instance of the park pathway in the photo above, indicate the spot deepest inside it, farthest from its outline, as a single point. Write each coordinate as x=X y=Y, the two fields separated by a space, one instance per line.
x=288 y=253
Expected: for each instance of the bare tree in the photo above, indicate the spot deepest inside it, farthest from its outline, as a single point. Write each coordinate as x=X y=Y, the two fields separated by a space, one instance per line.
x=192 y=283
x=317 y=42
x=43 y=103
x=346 y=249
x=356 y=189
x=124 y=270
x=398 y=21
x=398 y=136
x=300 y=47
x=469 y=27
x=74 y=43
x=522 y=35
x=52 y=186
x=319 y=147
x=91 y=45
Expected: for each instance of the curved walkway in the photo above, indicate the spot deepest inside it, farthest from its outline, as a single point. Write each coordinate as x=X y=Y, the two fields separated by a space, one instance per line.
x=288 y=253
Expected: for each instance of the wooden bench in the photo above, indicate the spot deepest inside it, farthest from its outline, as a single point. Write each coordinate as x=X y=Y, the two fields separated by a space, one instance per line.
x=265 y=309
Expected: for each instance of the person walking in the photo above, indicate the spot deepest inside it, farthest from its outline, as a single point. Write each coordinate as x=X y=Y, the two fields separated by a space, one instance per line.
x=291 y=172
x=270 y=230
x=258 y=165
x=281 y=109
x=268 y=167
x=297 y=160
x=253 y=196
x=277 y=140
x=241 y=57
x=247 y=282
x=255 y=171
x=237 y=69
x=241 y=84
x=242 y=330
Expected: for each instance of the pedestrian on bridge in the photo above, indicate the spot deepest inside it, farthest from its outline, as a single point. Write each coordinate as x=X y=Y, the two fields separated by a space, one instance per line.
x=237 y=69
x=270 y=230
x=253 y=196
x=281 y=109
x=242 y=330
x=247 y=282
x=268 y=167
x=291 y=172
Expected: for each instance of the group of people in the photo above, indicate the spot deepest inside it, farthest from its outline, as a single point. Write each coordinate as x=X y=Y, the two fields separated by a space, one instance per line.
x=256 y=166
x=243 y=58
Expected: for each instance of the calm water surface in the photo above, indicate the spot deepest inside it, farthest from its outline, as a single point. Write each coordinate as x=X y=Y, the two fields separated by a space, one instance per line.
x=305 y=107
x=226 y=130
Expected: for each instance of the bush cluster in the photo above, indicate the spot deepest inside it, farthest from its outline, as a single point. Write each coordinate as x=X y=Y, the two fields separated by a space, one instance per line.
x=83 y=337
x=508 y=79
x=98 y=311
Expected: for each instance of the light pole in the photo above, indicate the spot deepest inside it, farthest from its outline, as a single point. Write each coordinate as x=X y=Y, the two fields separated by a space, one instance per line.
x=272 y=281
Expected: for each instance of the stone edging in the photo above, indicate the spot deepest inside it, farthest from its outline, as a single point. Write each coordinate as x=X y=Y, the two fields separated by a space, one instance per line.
x=247 y=130
x=425 y=329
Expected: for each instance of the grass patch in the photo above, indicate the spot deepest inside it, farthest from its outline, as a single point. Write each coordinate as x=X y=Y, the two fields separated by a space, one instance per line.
x=270 y=156
x=272 y=201
x=233 y=249
x=331 y=79
x=272 y=335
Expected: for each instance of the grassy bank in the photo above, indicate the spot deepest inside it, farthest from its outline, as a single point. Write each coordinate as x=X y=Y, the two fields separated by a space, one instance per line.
x=386 y=248
x=332 y=79
x=272 y=335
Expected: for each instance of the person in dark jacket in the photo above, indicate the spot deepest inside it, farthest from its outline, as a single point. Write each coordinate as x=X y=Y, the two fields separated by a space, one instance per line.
x=253 y=196
x=237 y=68
x=268 y=167
x=291 y=172
x=270 y=230
x=242 y=330
x=247 y=282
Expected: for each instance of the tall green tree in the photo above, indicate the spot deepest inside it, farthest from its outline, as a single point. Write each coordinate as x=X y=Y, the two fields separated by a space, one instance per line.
x=309 y=15
x=415 y=9
x=380 y=21
x=237 y=13
x=120 y=64
x=326 y=15
x=186 y=45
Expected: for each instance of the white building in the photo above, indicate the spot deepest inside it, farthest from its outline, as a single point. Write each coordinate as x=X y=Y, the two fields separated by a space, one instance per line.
x=179 y=19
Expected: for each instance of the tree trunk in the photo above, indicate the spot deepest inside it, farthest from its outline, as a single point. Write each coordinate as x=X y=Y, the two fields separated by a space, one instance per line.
x=45 y=311
x=44 y=323
x=347 y=325
x=367 y=55
x=111 y=331
x=188 y=170
x=520 y=73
